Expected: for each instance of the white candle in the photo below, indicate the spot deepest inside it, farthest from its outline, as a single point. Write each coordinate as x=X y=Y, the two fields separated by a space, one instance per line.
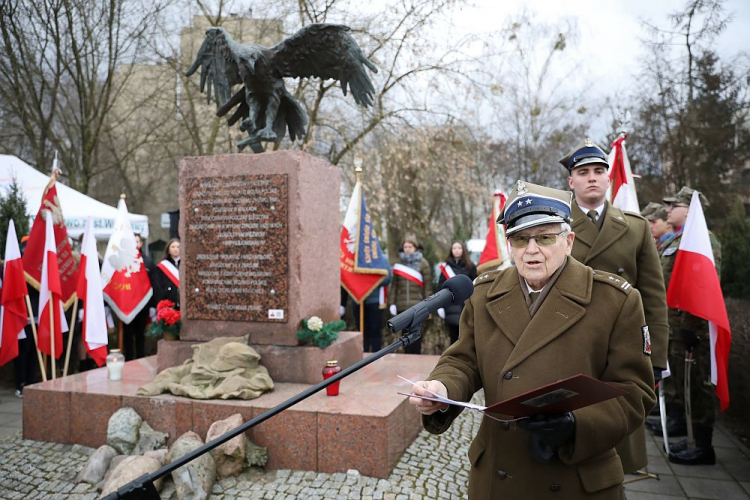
x=115 y=370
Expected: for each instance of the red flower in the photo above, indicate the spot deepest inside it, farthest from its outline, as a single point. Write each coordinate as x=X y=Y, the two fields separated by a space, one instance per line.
x=164 y=304
x=169 y=316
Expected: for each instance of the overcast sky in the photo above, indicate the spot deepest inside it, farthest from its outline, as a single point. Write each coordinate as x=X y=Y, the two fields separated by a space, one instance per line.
x=609 y=48
x=606 y=27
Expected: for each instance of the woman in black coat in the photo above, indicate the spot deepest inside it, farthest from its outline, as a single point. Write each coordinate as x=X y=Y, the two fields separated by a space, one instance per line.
x=457 y=262
x=167 y=274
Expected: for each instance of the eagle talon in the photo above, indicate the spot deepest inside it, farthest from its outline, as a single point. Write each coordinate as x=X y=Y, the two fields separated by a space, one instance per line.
x=267 y=135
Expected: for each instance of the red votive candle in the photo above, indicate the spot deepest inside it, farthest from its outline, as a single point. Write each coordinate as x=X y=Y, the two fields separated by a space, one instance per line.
x=331 y=369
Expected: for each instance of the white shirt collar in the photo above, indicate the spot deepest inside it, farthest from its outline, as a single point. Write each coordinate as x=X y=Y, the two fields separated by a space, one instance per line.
x=529 y=289
x=598 y=209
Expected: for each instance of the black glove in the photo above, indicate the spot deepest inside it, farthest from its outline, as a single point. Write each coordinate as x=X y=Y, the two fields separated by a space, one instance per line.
x=547 y=432
x=657 y=375
x=690 y=339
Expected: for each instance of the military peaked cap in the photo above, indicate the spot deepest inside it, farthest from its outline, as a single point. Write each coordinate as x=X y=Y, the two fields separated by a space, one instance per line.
x=531 y=205
x=585 y=153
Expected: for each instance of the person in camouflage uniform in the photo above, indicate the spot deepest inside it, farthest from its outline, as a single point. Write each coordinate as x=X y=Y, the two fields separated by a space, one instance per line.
x=661 y=230
x=688 y=333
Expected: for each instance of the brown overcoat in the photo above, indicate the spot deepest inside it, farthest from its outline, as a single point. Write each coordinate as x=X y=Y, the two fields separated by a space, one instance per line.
x=624 y=246
x=589 y=323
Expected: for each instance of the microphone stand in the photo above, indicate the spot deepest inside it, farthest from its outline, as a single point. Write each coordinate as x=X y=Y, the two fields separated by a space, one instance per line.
x=143 y=488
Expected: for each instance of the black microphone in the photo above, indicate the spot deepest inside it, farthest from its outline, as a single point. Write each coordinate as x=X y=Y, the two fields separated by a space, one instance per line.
x=457 y=290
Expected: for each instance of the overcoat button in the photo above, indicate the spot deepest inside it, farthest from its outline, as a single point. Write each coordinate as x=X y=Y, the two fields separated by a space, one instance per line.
x=620 y=271
x=554 y=487
x=504 y=426
x=502 y=474
x=508 y=376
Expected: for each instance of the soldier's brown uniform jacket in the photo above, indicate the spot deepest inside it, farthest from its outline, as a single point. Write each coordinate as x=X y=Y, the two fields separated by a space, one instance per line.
x=588 y=323
x=623 y=245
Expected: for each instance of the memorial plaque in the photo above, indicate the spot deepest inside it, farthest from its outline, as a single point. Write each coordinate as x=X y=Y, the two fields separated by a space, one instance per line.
x=238 y=229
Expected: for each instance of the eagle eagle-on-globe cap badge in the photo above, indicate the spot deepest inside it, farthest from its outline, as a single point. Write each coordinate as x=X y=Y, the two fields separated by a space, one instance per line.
x=585 y=153
x=531 y=205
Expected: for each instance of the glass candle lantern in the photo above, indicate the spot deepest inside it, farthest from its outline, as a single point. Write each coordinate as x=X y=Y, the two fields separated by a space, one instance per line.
x=115 y=363
x=331 y=369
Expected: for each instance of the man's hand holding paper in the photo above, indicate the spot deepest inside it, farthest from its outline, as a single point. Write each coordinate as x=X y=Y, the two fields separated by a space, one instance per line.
x=428 y=388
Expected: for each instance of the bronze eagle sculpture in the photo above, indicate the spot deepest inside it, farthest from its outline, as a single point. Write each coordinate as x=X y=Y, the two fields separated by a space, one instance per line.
x=264 y=105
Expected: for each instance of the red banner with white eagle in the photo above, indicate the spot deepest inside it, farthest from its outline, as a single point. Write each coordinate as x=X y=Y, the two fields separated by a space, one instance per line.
x=33 y=257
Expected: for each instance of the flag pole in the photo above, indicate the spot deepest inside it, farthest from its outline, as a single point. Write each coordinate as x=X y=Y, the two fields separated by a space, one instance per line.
x=33 y=330
x=52 y=334
x=120 y=335
x=70 y=337
x=358 y=171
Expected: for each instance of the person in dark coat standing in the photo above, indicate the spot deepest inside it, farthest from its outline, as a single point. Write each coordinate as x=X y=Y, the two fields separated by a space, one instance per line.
x=457 y=262
x=166 y=280
x=549 y=317
x=134 y=332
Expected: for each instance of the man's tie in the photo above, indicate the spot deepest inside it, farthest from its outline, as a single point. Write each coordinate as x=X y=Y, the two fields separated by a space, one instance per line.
x=533 y=296
x=593 y=215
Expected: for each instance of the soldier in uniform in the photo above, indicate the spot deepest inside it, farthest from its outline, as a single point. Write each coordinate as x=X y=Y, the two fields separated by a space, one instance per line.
x=546 y=318
x=688 y=333
x=619 y=242
x=656 y=215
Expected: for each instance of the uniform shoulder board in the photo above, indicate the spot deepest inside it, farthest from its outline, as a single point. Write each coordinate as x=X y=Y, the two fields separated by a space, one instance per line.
x=634 y=215
x=613 y=280
x=487 y=277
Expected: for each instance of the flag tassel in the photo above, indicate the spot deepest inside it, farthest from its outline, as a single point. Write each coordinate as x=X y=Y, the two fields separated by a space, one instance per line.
x=70 y=338
x=33 y=330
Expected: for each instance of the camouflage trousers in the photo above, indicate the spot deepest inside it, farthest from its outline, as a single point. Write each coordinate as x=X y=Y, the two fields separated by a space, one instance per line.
x=702 y=391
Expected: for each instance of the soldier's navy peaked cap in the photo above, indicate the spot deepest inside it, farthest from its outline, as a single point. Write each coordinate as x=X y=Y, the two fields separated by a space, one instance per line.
x=531 y=205
x=586 y=153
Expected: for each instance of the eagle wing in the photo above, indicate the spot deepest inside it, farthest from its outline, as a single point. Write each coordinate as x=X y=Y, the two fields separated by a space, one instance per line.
x=325 y=51
x=218 y=60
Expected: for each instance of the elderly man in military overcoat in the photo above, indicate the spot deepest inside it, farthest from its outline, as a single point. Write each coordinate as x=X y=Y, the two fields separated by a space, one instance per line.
x=618 y=242
x=547 y=318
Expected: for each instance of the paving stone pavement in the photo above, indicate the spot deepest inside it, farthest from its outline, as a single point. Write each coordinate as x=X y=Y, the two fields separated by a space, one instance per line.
x=46 y=471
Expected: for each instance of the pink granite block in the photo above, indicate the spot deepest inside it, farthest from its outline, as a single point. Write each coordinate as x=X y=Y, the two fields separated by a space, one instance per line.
x=171 y=353
x=304 y=364
x=165 y=413
x=312 y=247
x=290 y=438
x=207 y=412
x=89 y=417
x=46 y=415
x=354 y=442
x=285 y=364
x=412 y=423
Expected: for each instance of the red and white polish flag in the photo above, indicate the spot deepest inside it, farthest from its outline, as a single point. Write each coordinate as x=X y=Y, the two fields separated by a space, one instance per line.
x=89 y=290
x=447 y=270
x=50 y=297
x=408 y=273
x=496 y=254
x=13 y=314
x=127 y=287
x=695 y=288
x=622 y=185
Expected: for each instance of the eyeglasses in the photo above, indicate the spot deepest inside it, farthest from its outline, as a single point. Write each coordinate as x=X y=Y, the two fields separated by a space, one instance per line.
x=543 y=240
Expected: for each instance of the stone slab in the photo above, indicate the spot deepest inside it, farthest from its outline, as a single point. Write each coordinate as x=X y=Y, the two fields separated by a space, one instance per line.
x=712 y=489
x=293 y=364
x=312 y=247
x=367 y=427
